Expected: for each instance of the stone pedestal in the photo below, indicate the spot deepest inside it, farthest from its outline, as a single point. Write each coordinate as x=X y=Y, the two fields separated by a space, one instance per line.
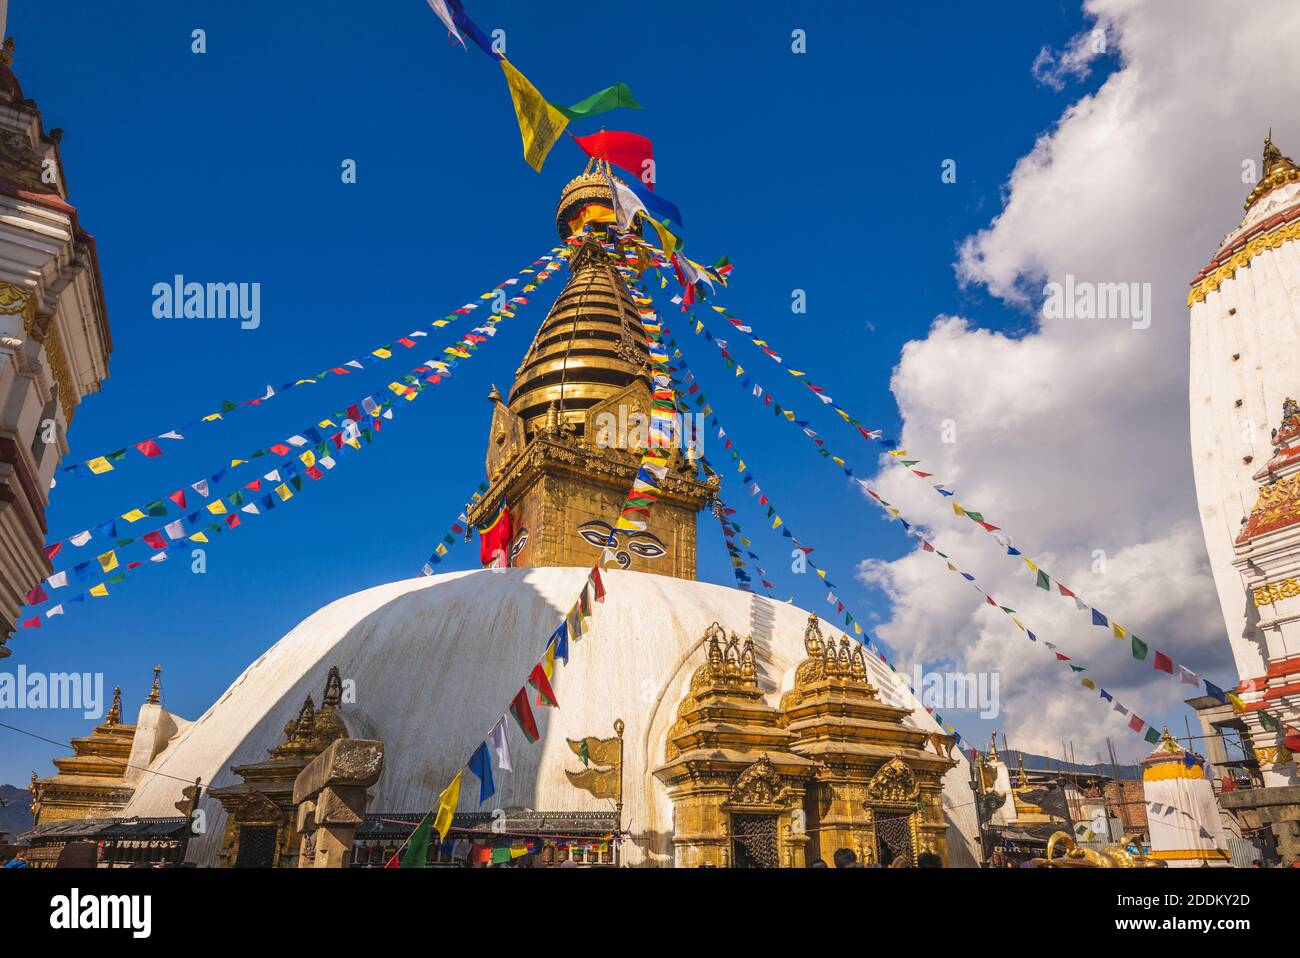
x=331 y=797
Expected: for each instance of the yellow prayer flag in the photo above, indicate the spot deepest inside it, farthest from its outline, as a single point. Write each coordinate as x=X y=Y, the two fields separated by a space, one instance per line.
x=283 y=492
x=1089 y=683
x=447 y=803
x=308 y=458
x=99 y=465
x=1238 y=705
x=1029 y=563
x=209 y=418
x=199 y=537
x=381 y=352
x=540 y=124
x=216 y=507
x=548 y=661
x=108 y=561
x=135 y=515
x=956 y=508
x=776 y=523
x=237 y=462
x=1119 y=630
x=857 y=628
x=100 y=590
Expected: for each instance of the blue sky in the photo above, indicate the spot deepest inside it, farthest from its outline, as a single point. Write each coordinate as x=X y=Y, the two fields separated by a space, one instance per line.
x=818 y=171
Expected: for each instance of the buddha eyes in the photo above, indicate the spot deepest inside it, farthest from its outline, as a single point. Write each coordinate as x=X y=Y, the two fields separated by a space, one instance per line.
x=646 y=545
x=517 y=546
x=603 y=536
x=599 y=534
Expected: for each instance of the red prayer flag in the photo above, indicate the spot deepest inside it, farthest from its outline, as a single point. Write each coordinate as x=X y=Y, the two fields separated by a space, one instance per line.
x=36 y=595
x=178 y=497
x=1135 y=723
x=280 y=449
x=631 y=151
x=523 y=714
x=52 y=551
x=545 y=695
x=1292 y=739
x=494 y=539
x=232 y=520
x=1228 y=785
x=149 y=448
x=33 y=623
x=1164 y=663
x=155 y=540
x=599 y=586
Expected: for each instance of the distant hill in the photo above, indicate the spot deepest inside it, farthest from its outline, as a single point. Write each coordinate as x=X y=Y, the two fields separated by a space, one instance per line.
x=15 y=812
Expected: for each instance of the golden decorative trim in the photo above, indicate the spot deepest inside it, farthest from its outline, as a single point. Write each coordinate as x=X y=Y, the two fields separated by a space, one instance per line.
x=17 y=300
x=1171 y=770
x=1277 y=591
x=68 y=397
x=1267 y=241
x=1270 y=755
x=1190 y=855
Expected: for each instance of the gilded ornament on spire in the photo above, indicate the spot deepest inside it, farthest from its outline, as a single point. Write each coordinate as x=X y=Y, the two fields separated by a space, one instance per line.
x=115 y=710
x=1276 y=170
x=155 y=693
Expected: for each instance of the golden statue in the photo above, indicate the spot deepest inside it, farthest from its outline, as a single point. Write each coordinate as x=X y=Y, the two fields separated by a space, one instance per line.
x=1112 y=856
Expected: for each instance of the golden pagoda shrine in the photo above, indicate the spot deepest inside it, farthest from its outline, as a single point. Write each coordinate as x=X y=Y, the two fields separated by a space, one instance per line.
x=563 y=451
x=833 y=767
x=261 y=829
x=91 y=783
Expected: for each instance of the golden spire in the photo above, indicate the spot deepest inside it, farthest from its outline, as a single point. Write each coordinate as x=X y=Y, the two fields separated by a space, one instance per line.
x=993 y=748
x=1275 y=170
x=154 y=693
x=7 y=52
x=591 y=346
x=115 y=710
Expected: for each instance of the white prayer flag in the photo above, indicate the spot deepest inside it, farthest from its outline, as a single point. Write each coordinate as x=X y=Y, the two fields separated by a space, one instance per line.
x=501 y=744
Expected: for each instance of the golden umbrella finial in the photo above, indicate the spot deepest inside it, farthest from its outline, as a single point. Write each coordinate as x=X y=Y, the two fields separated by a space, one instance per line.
x=155 y=694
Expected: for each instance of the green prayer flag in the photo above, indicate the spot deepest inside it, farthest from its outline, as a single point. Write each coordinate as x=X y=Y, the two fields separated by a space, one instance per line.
x=1043 y=581
x=610 y=98
x=417 y=849
x=1152 y=735
x=1139 y=649
x=227 y=405
x=1266 y=720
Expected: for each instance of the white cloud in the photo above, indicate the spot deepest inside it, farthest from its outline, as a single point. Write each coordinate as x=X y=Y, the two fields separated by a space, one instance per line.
x=1074 y=437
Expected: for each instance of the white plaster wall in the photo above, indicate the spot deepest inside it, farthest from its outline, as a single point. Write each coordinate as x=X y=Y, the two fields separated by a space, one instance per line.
x=1264 y=333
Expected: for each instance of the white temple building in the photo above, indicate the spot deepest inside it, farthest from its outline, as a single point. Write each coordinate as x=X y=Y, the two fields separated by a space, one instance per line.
x=54 y=337
x=1245 y=367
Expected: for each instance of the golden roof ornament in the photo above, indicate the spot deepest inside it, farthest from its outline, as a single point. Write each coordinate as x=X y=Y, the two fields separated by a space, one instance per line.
x=154 y=693
x=993 y=748
x=7 y=52
x=1276 y=170
x=115 y=710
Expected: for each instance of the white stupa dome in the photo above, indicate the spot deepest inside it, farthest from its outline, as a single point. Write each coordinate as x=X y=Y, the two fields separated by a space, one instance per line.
x=436 y=661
